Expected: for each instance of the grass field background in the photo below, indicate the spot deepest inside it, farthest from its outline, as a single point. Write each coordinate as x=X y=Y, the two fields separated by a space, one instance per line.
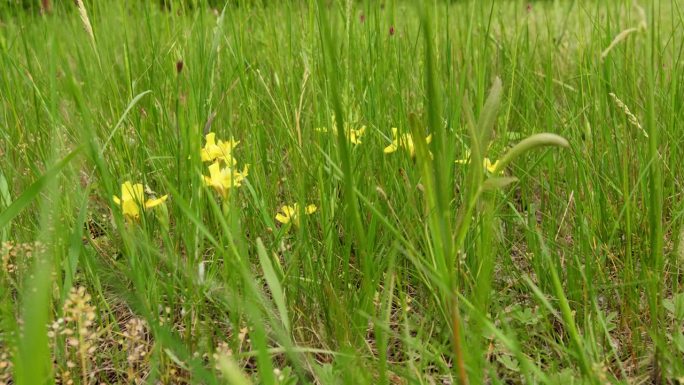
x=428 y=264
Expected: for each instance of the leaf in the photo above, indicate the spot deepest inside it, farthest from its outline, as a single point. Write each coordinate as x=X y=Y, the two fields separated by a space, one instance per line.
x=231 y=371
x=5 y=197
x=530 y=143
x=675 y=306
x=5 y=201
x=70 y=264
x=509 y=362
x=489 y=113
x=526 y=316
x=273 y=284
x=130 y=106
x=679 y=306
x=495 y=183
x=669 y=305
x=175 y=359
x=610 y=321
x=33 y=190
x=678 y=341
x=33 y=359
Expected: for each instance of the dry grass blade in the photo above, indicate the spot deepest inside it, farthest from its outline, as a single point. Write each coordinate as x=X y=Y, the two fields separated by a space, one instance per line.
x=86 y=20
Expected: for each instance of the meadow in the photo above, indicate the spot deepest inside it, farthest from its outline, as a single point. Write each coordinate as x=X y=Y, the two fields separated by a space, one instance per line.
x=342 y=192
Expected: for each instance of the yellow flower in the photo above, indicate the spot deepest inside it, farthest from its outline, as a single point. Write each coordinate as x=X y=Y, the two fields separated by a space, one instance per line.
x=404 y=141
x=291 y=213
x=486 y=162
x=491 y=167
x=221 y=150
x=133 y=198
x=223 y=179
x=353 y=135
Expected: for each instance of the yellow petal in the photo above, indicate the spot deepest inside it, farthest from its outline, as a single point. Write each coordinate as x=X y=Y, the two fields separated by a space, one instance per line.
x=204 y=155
x=282 y=218
x=408 y=143
x=130 y=208
x=228 y=160
x=224 y=150
x=211 y=139
x=355 y=135
x=135 y=192
x=491 y=167
x=289 y=210
x=406 y=140
x=155 y=202
x=126 y=191
x=310 y=209
x=391 y=148
x=428 y=139
x=116 y=200
x=210 y=151
x=238 y=177
x=215 y=172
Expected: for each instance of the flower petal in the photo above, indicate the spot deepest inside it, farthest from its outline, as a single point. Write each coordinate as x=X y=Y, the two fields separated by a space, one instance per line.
x=126 y=191
x=136 y=192
x=130 y=208
x=208 y=152
x=289 y=210
x=282 y=218
x=155 y=202
x=310 y=209
x=391 y=148
x=491 y=167
x=211 y=139
x=204 y=155
x=215 y=172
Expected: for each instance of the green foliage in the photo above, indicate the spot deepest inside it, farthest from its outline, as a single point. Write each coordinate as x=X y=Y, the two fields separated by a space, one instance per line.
x=428 y=192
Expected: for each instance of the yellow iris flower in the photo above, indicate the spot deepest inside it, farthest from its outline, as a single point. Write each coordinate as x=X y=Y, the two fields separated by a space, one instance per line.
x=290 y=214
x=224 y=179
x=404 y=141
x=491 y=167
x=353 y=134
x=486 y=162
x=221 y=150
x=133 y=198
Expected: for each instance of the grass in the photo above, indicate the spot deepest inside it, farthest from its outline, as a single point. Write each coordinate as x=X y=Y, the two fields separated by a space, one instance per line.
x=561 y=263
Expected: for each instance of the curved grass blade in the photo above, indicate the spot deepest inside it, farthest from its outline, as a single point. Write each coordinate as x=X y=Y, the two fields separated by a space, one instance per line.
x=273 y=284
x=32 y=191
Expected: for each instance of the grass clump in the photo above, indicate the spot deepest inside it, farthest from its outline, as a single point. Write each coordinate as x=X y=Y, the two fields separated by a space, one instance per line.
x=346 y=192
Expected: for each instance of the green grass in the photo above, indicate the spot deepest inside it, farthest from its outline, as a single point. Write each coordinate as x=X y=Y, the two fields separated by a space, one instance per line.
x=560 y=264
